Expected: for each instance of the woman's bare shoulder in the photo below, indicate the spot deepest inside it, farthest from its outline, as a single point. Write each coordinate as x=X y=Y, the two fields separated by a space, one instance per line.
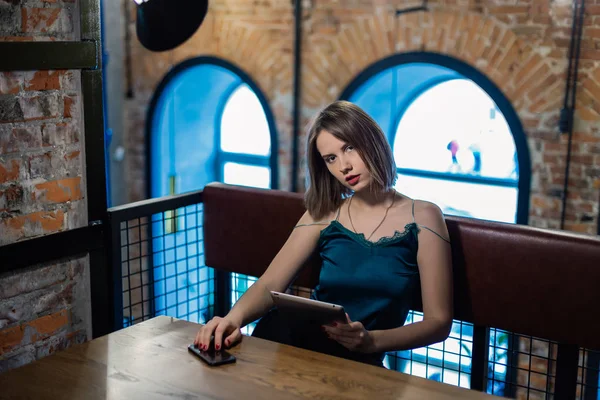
x=424 y=212
x=428 y=211
x=429 y=215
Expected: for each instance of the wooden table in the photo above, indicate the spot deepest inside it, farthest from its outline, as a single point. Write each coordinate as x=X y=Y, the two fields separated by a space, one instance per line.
x=151 y=361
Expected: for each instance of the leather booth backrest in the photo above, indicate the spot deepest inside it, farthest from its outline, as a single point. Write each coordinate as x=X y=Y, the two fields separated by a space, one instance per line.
x=521 y=279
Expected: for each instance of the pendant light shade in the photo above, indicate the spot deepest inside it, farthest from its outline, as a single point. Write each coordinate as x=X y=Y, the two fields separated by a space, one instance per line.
x=165 y=24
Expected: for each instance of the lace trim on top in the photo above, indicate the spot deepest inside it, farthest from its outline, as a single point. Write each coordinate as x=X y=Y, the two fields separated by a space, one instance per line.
x=384 y=240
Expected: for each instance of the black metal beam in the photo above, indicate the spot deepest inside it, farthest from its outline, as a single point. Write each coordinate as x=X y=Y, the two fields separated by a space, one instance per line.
x=598 y=220
x=567 y=113
x=479 y=362
x=91 y=82
x=50 y=247
x=297 y=91
x=411 y=9
x=102 y=292
x=512 y=364
x=148 y=207
x=114 y=251
x=422 y=7
x=567 y=360
x=89 y=12
x=222 y=292
x=91 y=85
x=101 y=272
x=25 y=56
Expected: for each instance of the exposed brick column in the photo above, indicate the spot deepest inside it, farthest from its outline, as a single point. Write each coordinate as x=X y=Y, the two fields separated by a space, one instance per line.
x=42 y=188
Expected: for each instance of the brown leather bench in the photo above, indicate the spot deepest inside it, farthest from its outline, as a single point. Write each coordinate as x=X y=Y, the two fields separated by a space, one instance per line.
x=524 y=280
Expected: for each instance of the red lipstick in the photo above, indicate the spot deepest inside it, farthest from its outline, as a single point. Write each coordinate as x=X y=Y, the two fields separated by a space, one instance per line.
x=353 y=179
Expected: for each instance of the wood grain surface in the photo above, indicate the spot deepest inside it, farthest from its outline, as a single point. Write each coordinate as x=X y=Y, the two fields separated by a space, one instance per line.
x=150 y=360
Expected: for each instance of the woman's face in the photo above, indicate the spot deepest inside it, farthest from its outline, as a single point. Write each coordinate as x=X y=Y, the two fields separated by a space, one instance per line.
x=343 y=161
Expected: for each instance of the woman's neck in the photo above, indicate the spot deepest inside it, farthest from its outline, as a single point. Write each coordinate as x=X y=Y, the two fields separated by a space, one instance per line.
x=372 y=199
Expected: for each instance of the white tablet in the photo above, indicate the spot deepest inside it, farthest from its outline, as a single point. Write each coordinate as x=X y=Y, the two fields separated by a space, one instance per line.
x=307 y=309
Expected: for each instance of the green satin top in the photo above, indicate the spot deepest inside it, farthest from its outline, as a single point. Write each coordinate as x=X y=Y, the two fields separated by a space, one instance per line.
x=373 y=281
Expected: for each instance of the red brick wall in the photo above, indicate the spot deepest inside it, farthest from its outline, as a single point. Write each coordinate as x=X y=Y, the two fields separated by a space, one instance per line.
x=43 y=310
x=521 y=46
x=38 y=20
x=41 y=180
x=42 y=188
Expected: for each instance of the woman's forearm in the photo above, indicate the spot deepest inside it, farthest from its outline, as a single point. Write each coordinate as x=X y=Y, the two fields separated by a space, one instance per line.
x=411 y=336
x=252 y=305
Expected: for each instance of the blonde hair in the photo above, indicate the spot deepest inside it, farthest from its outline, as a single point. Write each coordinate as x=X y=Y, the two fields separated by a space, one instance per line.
x=349 y=123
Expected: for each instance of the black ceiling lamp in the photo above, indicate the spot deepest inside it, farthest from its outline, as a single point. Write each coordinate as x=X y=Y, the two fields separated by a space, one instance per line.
x=165 y=24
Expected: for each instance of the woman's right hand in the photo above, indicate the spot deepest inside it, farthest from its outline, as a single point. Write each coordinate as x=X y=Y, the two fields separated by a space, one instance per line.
x=220 y=328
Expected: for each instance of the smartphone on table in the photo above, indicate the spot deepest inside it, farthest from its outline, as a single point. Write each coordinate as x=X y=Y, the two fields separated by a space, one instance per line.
x=211 y=356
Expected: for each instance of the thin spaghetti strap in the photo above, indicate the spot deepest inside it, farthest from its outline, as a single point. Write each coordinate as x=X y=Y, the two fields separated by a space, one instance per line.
x=413 y=210
x=314 y=223
x=434 y=232
x=320 y=222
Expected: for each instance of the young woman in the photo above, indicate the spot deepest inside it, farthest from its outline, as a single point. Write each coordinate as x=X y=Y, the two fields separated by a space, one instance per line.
x=376 y=245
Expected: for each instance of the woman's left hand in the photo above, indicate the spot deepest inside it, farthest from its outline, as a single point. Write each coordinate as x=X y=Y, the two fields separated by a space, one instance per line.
x=351 y=335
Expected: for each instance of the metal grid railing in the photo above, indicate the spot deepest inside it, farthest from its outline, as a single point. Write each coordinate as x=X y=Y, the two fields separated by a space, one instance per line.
x=183 y=285
x=159 y=247
x=520 y=366
x=239 y=284
x=136 y=273
x=448 y=361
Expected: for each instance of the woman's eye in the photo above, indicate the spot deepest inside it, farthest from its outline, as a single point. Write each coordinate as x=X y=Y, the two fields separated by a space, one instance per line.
x=330 y=159
x=349 y=148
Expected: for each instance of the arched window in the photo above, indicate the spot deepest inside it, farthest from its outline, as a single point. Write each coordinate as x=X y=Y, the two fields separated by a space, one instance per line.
x=457 y=142
x=208 y=121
